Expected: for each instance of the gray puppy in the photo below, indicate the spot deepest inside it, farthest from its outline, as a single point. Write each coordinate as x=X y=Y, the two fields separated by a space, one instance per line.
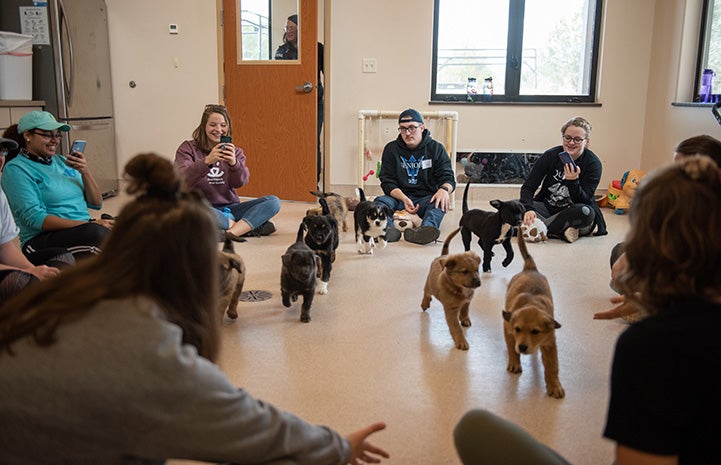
x=298 y=275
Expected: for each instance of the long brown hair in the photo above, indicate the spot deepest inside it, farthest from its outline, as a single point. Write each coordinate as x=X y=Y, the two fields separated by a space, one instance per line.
x=672 y=248
x=163 y=246
x=199 y=135
x=701 y=145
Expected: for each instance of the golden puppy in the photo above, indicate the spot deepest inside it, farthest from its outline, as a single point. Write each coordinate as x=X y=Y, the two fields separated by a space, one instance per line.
x=528 y=321
x=452 y=280
x=232 y=278
x=337 y=206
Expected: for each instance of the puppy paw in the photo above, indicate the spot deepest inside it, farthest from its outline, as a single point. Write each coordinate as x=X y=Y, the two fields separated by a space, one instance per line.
x=462 y=345
x=383 y=243
x=304 y=318
x=466 y=322
x=556 y=391
x=323 y=288
x=513 y=368
x=507 y=261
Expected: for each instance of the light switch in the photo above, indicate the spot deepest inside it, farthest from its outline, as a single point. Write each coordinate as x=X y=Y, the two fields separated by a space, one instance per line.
x=173 y=28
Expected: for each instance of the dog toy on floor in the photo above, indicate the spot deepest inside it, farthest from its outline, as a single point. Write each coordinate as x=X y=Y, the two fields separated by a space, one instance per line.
x=536 y=232
x=621 y=192
x=403 y=220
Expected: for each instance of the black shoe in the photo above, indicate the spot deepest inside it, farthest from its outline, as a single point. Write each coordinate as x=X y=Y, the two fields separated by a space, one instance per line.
x=106 y=216
x=265 y=229
x=393 y=235
x=422 y=235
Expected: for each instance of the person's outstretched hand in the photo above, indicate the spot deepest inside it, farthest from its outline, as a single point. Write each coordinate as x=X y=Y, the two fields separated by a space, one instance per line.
x=361 y=449
x=624 y=308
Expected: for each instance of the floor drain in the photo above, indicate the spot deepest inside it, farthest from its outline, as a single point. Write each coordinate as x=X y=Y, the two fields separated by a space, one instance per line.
x=254 y=296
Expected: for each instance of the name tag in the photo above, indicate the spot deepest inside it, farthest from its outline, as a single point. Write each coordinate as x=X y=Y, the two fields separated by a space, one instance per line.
x=425 y=164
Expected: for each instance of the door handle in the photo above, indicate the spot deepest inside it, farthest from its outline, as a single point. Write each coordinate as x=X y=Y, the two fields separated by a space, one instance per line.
x=306 y=87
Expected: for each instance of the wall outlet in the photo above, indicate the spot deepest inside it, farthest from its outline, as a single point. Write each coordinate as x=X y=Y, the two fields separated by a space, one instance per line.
x=370 y=65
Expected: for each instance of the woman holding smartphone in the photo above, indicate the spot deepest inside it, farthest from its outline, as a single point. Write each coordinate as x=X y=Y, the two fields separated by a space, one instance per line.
x=217 y=168
x=568 y=175
x=50 y=194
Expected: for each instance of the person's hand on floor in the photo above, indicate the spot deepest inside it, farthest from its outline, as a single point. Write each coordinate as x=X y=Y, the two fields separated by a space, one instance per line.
x=622 y=309
x=361 y=449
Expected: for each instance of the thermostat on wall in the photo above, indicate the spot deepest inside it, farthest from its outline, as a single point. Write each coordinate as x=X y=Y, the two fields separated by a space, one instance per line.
x=173 y=28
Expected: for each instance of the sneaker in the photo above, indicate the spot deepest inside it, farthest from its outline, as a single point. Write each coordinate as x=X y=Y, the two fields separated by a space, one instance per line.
x=393 y=235
x=265 y=229
x=570 y=234
x=422 y=235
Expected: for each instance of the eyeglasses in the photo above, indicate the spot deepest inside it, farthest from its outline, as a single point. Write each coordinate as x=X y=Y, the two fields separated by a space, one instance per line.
x=575 y=140
x=49 y=136
x=408 y=129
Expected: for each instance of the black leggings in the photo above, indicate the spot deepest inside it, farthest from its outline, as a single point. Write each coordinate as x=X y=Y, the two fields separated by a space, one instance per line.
x=579 y=216
x=14 y=281
x=81 y=241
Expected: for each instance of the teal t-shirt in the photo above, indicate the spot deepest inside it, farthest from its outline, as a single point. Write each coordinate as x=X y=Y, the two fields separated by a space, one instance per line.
x=35 y=190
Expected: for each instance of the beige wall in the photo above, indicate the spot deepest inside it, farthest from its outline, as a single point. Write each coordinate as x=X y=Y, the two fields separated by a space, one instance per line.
x=641 y=73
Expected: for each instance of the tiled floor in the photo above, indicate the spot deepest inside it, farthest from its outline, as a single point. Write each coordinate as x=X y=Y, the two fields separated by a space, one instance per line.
x=371 y=354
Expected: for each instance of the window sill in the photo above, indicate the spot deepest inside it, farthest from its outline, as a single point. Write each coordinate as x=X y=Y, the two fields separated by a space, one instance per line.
x=692 y=104
x=464 y=102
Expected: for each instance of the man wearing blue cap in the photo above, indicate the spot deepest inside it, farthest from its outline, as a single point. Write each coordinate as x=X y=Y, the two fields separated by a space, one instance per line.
x=416 y=176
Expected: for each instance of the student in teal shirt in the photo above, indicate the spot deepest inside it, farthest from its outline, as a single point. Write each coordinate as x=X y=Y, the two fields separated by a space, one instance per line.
x=50 y=194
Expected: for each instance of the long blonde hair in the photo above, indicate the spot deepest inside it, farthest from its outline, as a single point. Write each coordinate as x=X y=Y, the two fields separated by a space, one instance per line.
x=163 y=246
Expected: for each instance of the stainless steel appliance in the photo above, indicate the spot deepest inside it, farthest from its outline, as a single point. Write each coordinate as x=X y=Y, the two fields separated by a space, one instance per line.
x=72 y=75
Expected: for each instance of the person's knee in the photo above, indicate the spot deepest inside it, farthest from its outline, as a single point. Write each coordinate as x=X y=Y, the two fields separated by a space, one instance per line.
x=96 y=233
x=273 y=203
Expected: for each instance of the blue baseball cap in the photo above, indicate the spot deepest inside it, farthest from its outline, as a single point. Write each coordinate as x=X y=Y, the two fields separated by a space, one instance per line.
x=40 y=120
x=410 y=115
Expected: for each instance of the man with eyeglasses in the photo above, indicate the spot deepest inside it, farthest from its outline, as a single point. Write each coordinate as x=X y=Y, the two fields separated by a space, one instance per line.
x=568 y=176
x=416 y=176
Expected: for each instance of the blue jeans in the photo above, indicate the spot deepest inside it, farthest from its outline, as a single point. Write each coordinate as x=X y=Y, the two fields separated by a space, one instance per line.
x=432 y=215
x=254 y=212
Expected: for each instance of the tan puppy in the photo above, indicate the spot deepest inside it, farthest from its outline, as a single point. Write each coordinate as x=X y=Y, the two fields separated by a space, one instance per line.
x=337 y=206
x=232 y=278
x=452 y=280
x=528 y=321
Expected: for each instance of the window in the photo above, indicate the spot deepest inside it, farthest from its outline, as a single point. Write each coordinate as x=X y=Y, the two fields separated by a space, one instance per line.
x=532 y=50
x=709 y=52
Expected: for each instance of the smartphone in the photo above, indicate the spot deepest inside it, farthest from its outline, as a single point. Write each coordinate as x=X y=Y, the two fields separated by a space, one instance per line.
x=566 y=158
x=226 y=139
x=78 y=146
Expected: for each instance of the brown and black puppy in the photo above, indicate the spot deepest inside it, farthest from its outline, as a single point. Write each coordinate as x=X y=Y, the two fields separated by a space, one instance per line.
x=528 y=322
x=232 y=278
x=452 y=280
x=298 y=275
x=370 y=221
x=491 y=227
x=337 y=206
x=322 y=237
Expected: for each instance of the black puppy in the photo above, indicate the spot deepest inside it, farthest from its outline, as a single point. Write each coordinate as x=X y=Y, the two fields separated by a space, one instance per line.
x=322 y=237
x=298 y=275
x=370 y=220
x=491 y=227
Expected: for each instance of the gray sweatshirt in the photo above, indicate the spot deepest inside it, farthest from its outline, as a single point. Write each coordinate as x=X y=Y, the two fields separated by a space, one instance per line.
x=119 y=387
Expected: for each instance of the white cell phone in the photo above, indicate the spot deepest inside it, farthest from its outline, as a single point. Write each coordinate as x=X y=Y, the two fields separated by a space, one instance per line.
x=78 y=146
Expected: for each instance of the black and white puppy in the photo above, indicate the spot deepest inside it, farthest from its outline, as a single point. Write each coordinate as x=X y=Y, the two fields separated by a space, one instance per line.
x=299 y=274
x=322 y=237
x=491 y=227
x=370 y=220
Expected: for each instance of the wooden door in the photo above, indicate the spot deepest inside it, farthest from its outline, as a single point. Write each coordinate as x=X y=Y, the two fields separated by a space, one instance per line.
x=274 y=119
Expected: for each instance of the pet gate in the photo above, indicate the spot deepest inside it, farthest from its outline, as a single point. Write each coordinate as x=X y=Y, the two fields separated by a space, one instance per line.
x=377 y=127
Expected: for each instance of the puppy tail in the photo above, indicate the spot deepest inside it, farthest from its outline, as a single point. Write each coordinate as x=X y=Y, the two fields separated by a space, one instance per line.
x=528 y=262
x=301 y=232
x=444 y=251
x=361 y=194
x=324 y=205
x=465 y=197
x=228 y=246
x=318 y=194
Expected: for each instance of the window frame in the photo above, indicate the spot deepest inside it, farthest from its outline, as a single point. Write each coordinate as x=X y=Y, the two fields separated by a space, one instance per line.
x=703 y=46
x=514 y=54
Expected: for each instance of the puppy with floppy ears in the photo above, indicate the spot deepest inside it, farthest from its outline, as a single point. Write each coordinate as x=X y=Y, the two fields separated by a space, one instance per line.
x=232 y=278
x=298 y=275
x=337 y=206
x=370 y=221
x=322 y=237
x=491 y=227
x=452 y=280
x=528 y=322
